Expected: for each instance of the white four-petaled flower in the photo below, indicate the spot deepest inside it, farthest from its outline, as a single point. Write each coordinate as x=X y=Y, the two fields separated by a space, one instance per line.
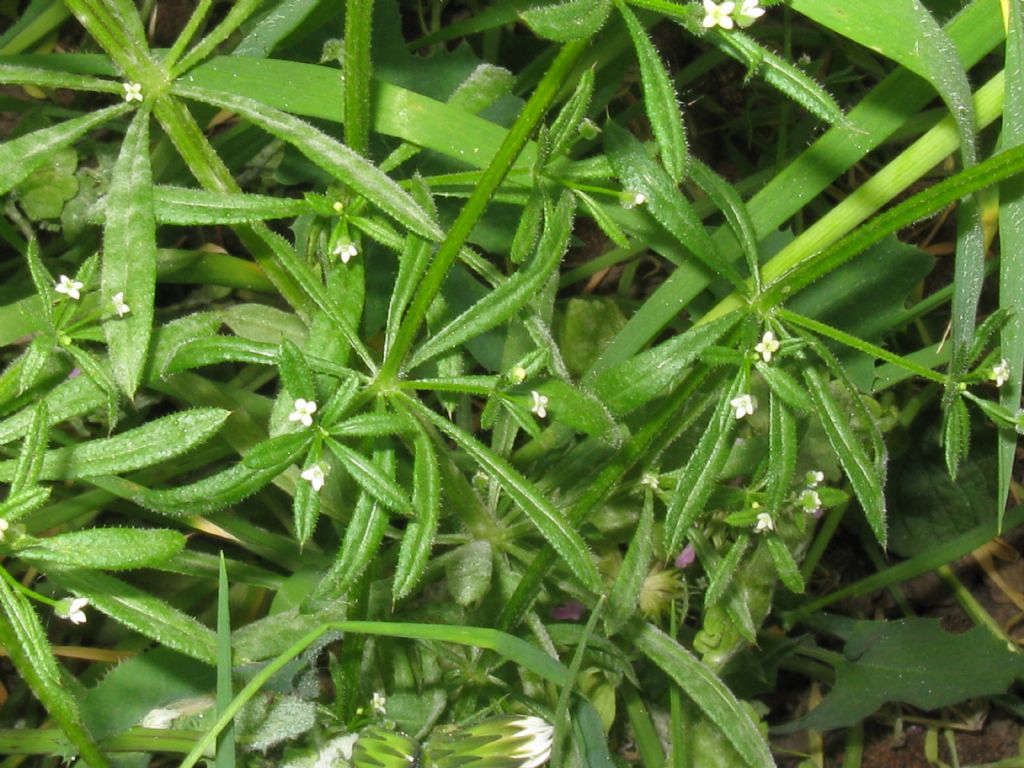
x=73 y=610
x=767 y=347
x=1001 y=372
x=70 y=288
x=814 y=478
x=743 y=405
x=718 y=14
x=345 y=251
x=304 y=410
x=810 y=501
x=518 y=375
x=120 y=307
x=540 y=404
x=132 y=92
x=315 y=476
x=764 y=523
x=749 y=13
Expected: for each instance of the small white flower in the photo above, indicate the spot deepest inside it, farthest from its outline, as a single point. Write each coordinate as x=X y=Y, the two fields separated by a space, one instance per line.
x=1001 y=373
x=632 y=199
x=160 y=718
x=749 y=13
x=345 y=252
x=764 y=523
x=810 y=502
x=743 y=405
x=718 y=14
x=538 y=737
x=540 y=404
x=304 y=410
x=814 y=478
x=315 y=476
x=337 y=206
x=379 y=703
x=767 y=347
x=72 y=609
x=4 y=525
x=132 y=92
x=518 y=375
x=120 y=307
x=650 y=480
x=70 y=288
x=804 y=60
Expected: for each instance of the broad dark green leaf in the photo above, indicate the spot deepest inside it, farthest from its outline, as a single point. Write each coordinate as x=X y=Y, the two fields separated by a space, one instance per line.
x=129 y=257
x=106 y=548
x=325 y=152
x=913 y=661
x=154 y=442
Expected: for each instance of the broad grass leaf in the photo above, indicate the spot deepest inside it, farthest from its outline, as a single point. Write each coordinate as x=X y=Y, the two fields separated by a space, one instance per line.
x=508 y=298
x=707 y=691
x=140 y=611
x=660 y=100
x=864 y=475
x=414 y=553
x=913 y=661
x=154 y=442
x=24 y=639
x=568 y=20
x=129 y=257
x=327 y=153
x=112 y=549
x=640 y=174
x=21 y=156
x=548 y=521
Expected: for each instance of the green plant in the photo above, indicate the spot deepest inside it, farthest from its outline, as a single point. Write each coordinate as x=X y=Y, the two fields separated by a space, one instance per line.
x=364 y=374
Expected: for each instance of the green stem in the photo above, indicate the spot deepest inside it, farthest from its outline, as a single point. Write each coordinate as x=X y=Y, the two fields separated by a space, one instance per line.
x=506 y=155
x=358 y=72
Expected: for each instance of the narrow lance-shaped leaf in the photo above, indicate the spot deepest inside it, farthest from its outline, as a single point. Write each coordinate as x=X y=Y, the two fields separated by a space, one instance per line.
x=569 y=20
x=152 y=443
x=660 y=100
x=551 y=524
x=325 y=152
x=566 y=125
x=414 y=554
x=859 y=469
x=371 y=479
x=295 y=374
x=24 y=640
x=20 y=156
x=42 y=280
x=697 y=480
x=306 y=504
x=509 y=297
x=625 y=594
x=956 y=435
x=730 y=203
x=721 y=570
x=640 y=174
x=785 y=565
x=137 y=609
x=17 y=505
x=186 y=207
x=129 y=257
x=33 y=449
x=782 y=451
x=106 y=548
